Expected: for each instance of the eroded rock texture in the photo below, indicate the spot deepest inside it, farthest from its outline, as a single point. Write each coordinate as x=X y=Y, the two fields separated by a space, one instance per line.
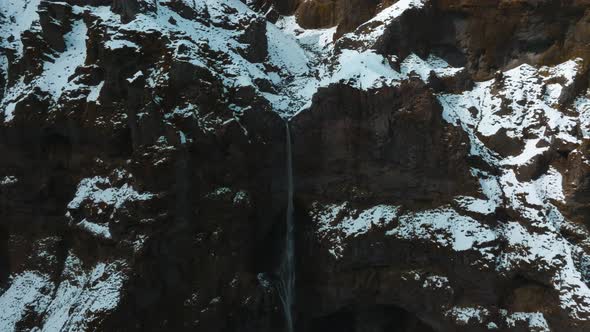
x=440 y=154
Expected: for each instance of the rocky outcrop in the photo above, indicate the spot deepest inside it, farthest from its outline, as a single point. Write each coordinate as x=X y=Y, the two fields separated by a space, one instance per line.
x=346 y=15
x=486 y=36
x=373 y=146
x=523 y=32
x=109 y=184
x=129 y=9
x=255 y=40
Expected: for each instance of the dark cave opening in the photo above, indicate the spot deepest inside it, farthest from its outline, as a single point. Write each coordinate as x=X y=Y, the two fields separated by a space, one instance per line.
x=387 y=318
x=342 y=321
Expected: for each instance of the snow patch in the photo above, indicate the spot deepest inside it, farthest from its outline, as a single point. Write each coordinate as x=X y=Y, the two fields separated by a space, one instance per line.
x=467 y=315
x=98 y=230
x=84 y=296
x=16 y=17
x=336 y=222
x=535 y=320
x=8 y=180
x=445 y=227
x=57 y=72
x=100 y=190
x=27 y=291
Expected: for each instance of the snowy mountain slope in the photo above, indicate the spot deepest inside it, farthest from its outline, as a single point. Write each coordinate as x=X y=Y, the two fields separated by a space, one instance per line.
x=521 y=126
x=292 y=73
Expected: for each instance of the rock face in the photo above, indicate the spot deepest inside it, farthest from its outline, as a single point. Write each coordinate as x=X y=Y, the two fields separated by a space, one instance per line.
x=382 y=143
x=440 y=155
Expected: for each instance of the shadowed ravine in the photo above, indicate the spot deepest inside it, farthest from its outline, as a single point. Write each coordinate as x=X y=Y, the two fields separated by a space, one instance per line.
x=286 y=286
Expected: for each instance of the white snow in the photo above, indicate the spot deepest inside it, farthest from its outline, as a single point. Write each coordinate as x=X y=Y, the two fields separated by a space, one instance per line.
x=423 y=68
x=490 y=188
x=361 y=68
x=57 y=72
x=19 y=16
x=27 y=291
x=568 y=71
x=241 y=197
x=8 y=180
x=376 y=216
x=436 y=282
x=582 y=107
x=528 y=109
x=3 y=70
x=465 y=315
x=115 y=44
x=135 y=77
x=293 y=52
x=336 y=222
x=95 y=93
x=12 y=96
x=532 y=198
x=523 y=102
x=312 y=40
x=370 y=31
x=81 y=297
x=219 y=192
x=100 y=190
x=445 y=227
x=364 y=70
x=263 y=280
x=98 y=230
x=530 y=150
x=84 y=295
x=531 y=96
x=535 y=320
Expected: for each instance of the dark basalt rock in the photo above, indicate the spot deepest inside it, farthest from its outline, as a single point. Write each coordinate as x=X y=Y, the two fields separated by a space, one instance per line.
x=255 y=40
x=186 y=11
x=86 y=2
x=129 y=8
x=523 y=32
x=282 y=7
x=54 y=20
x=577 y=185
x=379 y=142
x=462 y=81
x=347 y=15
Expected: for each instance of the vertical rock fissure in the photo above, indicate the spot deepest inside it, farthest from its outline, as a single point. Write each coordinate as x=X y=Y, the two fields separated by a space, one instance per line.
x=286 y=286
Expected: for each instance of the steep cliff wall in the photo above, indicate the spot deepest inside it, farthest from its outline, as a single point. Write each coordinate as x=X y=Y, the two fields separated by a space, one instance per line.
x=440 y=165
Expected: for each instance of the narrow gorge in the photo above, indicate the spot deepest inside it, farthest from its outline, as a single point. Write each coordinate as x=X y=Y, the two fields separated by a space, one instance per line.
x=287 y=272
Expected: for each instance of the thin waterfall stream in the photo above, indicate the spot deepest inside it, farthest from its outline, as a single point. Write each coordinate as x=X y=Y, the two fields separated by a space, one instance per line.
x=286 y=286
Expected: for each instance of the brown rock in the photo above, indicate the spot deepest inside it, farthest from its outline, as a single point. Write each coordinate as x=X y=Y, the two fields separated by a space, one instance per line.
x=382 y=142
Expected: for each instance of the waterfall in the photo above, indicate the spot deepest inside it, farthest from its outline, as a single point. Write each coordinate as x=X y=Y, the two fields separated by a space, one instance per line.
x=286 y=286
